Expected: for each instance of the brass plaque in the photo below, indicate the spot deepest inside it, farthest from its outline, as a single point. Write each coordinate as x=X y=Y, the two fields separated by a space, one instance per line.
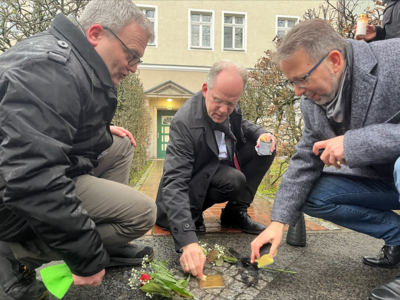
x=212 y=282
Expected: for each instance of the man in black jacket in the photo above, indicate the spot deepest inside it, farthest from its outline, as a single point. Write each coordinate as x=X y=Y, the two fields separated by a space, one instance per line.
x=211 y=158
x=62 y=187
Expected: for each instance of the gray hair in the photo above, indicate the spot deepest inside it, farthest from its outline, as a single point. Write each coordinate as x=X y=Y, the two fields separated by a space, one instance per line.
x=115 y=14
x=316 y=37
x=225 y=64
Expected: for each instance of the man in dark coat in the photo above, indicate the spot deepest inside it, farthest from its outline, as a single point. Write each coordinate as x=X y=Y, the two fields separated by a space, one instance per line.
x=58 y=198
x=211 y=158
x=351 y=112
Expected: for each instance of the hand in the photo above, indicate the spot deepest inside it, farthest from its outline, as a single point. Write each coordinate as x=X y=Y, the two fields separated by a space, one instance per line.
x=333 y=153
x=371 y=33
x=122 y=132
x=270 y=137
x=93 y=280
x=273 y=234
x=193 y=259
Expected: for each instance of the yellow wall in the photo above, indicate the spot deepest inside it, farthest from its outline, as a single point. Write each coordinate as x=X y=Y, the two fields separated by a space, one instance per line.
x=173 y=18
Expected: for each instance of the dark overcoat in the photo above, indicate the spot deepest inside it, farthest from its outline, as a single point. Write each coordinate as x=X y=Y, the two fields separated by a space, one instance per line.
x=190 y=163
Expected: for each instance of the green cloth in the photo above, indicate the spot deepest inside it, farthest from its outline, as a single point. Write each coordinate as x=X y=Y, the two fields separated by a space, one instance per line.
x=57 y=279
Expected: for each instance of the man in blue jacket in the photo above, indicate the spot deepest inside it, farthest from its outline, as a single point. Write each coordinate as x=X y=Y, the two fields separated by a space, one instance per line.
x=351 y=112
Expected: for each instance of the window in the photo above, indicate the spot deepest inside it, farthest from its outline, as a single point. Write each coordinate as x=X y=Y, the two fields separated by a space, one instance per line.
x=284 y=24
x=234 y=31
x=201 y=29
x=150 y=12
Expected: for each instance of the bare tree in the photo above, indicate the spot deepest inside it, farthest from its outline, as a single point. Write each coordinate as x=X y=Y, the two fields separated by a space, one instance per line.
x=341 y=14
x=22 y=18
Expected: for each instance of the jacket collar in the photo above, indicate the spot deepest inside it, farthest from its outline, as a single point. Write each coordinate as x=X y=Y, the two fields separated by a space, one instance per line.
x=70 y=32
x=364 y=81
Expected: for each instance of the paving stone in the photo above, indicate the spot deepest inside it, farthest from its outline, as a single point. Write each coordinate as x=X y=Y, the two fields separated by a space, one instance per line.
x=229 y=294
x=221 y=269
x=252 y=291
x=198 y=293
x=232 y=271
x=208 y=297
x=227 y=280
x=261 y=284
x=214 y=291
x=238 y=286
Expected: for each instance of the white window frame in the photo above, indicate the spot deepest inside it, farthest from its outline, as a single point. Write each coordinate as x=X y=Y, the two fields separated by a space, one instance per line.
x=200 y=11
x=155 y=8
x=294 y=18
x=234 y=14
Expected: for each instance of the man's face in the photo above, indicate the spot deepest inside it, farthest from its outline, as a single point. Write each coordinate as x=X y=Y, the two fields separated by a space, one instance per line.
x=115 y=55
x=323 y=82
x=224 y=95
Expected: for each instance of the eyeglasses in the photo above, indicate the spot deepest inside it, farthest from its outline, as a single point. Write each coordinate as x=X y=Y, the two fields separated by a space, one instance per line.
x=134 y=58
x=228 y=104
x=302 y=82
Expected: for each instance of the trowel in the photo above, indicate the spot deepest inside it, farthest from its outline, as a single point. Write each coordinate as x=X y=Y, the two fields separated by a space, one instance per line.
x=265 y=259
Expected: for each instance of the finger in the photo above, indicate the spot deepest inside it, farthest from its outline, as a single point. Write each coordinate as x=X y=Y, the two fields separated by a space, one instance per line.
x=333 y=161
x=191 y=266
x=258 y=143
x=118 y=132
x=319 y=145
x=274 y=247
x=133 y=142
x=197 y=265
x=184 y=264
x=255 y=251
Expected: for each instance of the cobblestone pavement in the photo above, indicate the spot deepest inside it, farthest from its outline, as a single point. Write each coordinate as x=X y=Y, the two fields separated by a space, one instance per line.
x=329 y=267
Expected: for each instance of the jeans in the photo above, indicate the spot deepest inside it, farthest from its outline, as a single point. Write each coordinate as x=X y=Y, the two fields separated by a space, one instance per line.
x=361 y=204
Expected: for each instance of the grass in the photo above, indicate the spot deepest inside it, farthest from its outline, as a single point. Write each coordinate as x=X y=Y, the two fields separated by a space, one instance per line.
x=135 y=177
x=278 y=167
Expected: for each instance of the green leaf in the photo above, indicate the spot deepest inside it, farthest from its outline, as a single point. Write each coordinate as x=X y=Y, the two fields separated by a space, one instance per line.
x=213 y=255
x=219 y=262
x=163 y=277
x=183 y=282
x=179 y=290
x=230 y=260
x=153 y=287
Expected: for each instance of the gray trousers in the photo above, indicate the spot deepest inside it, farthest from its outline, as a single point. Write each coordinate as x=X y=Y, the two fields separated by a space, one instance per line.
x=121 y=213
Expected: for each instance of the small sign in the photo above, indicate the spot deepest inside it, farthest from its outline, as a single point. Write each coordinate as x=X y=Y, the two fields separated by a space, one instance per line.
x=169 y=107
x=212 y=282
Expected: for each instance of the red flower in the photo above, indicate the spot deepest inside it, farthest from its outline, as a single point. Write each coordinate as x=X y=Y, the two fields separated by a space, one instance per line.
x=144 y=278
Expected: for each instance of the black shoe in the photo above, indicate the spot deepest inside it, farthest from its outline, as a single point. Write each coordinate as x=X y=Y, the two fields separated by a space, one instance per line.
x=16 y=280
x=387 y=291
x=240 y=220
x=130 y=255
x=200 y=226
x=388 y=257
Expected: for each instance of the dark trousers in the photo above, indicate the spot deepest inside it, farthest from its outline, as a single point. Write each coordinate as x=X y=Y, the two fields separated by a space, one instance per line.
x=238 y=187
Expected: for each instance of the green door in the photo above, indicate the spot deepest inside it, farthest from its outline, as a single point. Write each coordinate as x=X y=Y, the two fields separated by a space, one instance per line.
x=164 y=118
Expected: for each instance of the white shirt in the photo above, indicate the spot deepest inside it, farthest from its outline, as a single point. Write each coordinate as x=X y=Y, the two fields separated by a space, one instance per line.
x=220 y=137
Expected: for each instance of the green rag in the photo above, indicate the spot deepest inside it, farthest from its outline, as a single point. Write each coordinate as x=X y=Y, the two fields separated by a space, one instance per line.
x=57 y=279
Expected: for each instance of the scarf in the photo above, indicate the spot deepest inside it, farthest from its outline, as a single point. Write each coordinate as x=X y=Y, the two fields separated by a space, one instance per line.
x=339 y=108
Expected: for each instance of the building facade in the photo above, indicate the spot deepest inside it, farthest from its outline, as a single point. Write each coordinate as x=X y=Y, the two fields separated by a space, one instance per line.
x=192 y=35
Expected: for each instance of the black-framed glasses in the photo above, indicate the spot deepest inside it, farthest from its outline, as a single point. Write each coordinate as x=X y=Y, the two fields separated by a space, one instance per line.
x=302 y=82
x=134 y=58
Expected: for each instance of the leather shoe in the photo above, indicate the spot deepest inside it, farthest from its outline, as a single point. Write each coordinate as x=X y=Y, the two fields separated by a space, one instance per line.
x=200 y=226
x=387 y=291
x=388 y=257
x=240 y=220
x=16 y=280
x=130 y=255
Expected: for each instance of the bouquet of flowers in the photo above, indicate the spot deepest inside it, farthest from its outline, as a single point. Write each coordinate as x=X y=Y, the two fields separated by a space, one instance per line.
x=160 y=282
x=218 y=254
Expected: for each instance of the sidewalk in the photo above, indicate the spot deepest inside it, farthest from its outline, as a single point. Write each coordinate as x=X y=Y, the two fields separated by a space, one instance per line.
x=328 y=268
x=259 y=211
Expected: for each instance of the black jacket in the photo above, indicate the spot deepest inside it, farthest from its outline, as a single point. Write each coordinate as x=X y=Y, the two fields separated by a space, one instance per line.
x=190 y=163
x=56 y=104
